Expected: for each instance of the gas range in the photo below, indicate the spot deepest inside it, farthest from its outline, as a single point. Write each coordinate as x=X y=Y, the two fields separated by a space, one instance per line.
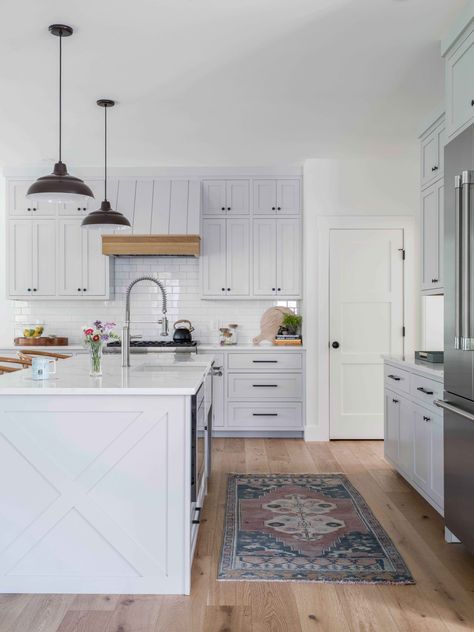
x=154 y=346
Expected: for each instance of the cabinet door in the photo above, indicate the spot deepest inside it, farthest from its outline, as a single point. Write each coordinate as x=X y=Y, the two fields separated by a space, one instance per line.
x=392 y=425
x=264 y=257
x=264 y=197
x=213 y=258
x=214 y=197
x=70 y=258
x=288 y=196
x=238 y=197
x=238 y=257
x=460 y=87
x=20 y=205
x=218 y=401
x=289 y=257
x=20 y=258
x=432 y=156
x=44 y=258
x=437 y=460
x=95 y=265
x=431 y=237
x=422 y=448
x=405 y=437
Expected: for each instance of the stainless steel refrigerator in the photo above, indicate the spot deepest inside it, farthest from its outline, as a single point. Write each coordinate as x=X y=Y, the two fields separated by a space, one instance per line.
x=458 y=402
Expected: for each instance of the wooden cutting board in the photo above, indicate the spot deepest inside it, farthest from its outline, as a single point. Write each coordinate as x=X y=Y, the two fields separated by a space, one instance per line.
x=270 y=323
x=42 y=341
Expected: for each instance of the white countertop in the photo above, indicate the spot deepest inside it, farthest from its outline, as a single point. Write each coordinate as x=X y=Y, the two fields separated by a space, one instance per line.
x=201 y=347
x=428 y=369
x=164 y=374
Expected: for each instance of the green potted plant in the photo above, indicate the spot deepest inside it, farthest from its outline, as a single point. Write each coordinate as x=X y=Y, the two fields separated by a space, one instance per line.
x=291 y=324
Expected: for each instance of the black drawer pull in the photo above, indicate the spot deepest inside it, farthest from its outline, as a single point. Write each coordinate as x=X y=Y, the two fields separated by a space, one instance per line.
x=395 y=401
x=423 y=390
x=265 y=414
x=394 y=377
x=265 y=385
x=196 y=521
x=265 y=361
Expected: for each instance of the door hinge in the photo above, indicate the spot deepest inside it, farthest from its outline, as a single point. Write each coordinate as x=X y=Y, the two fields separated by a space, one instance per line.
x=403 y=331
x=402 y=250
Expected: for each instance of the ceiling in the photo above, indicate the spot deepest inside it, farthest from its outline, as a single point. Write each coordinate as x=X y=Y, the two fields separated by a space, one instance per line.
x=219 y=82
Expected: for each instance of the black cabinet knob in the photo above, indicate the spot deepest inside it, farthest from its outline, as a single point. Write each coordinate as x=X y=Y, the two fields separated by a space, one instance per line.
x=278 y=289
x=426 y=418
x=34 y=289
x=279 y=208
x=273 y=289
x=78 y=289
x=78 y=208
x=29 y=289
x=228 y=289
x=223 y=289
x=434 y=280
x=34 y=208
x=228 y=208
x=84 y=290
x=335 y=345
x=435 y=168
x=472 y=103
x=395 y=401
x=273 y=208
x=223 y=208
x=28 y=209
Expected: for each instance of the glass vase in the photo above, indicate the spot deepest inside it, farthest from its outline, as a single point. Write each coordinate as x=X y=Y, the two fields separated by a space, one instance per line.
x=95 y=352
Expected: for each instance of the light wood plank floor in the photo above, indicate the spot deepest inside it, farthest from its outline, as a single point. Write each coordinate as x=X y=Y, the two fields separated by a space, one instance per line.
x=442 y=599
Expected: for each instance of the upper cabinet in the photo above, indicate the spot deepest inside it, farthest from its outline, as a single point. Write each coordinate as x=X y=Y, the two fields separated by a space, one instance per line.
x=224 y=197
x=92 y=204
x=432 y=143
x=276 y=196
x=432 y=153
x=460 y=85
x=432 y=237
x=20 y=206
x=31 y=258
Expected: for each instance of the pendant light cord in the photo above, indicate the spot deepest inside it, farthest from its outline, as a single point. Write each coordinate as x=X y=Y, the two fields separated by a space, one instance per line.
x=60 y=90
x=105 y=153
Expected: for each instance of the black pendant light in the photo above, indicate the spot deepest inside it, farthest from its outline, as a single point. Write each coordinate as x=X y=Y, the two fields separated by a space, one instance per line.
x=59 y=186
x=105 y=217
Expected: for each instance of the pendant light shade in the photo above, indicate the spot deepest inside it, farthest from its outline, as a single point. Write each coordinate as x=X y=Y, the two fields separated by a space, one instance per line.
x=105 y=218
x=59 y=186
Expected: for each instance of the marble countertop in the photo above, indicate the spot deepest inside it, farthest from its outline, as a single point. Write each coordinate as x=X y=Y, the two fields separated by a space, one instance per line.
x=165 y=374
x=201 y=347
x=429 y=369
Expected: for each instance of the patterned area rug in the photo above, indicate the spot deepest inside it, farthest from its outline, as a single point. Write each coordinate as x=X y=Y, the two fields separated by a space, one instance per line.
x=305 y=527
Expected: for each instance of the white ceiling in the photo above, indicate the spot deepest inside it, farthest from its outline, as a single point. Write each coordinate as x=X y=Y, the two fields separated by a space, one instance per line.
x=219 y=82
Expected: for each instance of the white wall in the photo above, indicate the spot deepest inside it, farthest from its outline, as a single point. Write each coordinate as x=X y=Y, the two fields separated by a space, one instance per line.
x=375 y=186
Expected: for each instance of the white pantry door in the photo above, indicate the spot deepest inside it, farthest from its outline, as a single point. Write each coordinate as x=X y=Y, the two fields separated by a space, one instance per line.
x=366 y=321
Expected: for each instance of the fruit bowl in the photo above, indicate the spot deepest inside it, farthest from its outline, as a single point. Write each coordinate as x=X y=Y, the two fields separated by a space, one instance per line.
x=31 y=330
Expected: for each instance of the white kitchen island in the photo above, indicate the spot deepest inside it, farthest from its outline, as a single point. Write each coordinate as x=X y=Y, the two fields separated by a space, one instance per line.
x=95 y=477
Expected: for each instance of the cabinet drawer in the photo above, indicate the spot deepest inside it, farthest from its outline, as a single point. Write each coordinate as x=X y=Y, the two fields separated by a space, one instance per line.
x=426 y=390
x=258 y=416
x=397 y=378
x=265 y=361
x=265 y=387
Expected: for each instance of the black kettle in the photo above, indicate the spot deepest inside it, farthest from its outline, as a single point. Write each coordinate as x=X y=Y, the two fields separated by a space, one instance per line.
x=182 y=334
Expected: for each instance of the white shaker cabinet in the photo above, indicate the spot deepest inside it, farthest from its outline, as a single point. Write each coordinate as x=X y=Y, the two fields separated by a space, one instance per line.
x=432 y=153
x=460 y=85
x=20 y=206
x=428 y=452
x=87 y=206
x=225 y=261
x=31 y=258
x=83 y=269
x=277 y=257
x=432 y=236
x=225 y=197
x=276 y=196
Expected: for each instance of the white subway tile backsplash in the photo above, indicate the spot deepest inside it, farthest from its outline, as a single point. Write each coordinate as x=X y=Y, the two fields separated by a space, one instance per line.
x=181 y=279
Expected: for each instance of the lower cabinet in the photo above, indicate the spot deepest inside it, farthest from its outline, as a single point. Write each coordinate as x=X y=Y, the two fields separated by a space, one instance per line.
x=413 y=440
x=258 y=392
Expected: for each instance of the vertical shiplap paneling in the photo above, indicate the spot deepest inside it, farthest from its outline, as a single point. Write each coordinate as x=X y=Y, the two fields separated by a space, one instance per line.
x=160 y=220
x=179 y=207
x=143 y=207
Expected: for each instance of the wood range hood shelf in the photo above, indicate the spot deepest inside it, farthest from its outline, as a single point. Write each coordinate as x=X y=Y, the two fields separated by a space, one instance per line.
x=151 y=245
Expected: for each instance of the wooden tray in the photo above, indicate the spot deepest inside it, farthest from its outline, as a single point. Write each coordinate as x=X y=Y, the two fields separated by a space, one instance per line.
x=42 y=341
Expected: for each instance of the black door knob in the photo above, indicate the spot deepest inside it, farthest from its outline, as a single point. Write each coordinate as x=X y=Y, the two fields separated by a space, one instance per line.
x=335 y=345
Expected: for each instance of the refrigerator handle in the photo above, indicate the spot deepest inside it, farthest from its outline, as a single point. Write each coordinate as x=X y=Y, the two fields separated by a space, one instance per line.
x=467 y=342
x=454 y=409
x=457 y=261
